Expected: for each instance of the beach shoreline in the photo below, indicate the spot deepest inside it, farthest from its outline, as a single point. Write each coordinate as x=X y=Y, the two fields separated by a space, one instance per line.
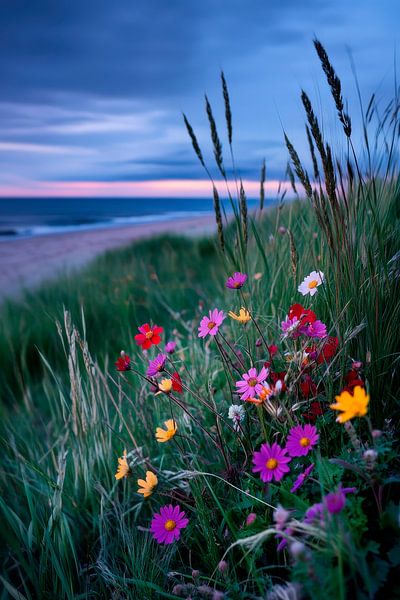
x=28 y=262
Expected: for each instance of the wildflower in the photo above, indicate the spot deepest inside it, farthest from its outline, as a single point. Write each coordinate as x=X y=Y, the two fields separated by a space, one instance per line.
x=237 y=413
x=148 y=336
x=237 y=281
x=290 y=327
x=279 y=376
x=301 y=439
x=308 y=387
x=301 y=478
x=304 y=315
x=222 y=566
x=335 y=501
x=177 y=383
x=146 y=486
x=242 y=317
x=170 y=347
x=157 y=365
x=315 y=411
x=314 y=513
x=123 y=363
x=251 y=384
x=311 y=283
x=251 y=517
x=352 y=378
x=164 y=435
x=272 y=349
x=257 y=276
x=259 y=342
x=123 y=469
x=317 y=329
x=328 y=350
x=167 y=524
x=209 y=325
x=282 y=230
x=165 y=386
x=280 y=516
x=298 y=550
x=351 y=406
x=271 y=462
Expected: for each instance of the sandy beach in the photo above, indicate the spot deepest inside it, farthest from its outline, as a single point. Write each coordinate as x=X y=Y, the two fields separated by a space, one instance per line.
x=25 y=263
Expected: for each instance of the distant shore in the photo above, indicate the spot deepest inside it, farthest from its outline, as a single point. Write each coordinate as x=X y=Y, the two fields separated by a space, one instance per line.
x=28 y=262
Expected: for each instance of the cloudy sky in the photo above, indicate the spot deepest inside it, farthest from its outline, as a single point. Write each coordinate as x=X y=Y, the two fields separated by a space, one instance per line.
x=92 y=91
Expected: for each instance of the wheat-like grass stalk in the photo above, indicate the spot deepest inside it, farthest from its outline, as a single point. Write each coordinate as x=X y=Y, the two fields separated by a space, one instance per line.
x=262 y=184
x=215 y=139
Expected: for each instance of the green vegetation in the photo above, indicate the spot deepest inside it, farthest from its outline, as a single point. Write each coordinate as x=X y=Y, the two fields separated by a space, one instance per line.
x=71 y=530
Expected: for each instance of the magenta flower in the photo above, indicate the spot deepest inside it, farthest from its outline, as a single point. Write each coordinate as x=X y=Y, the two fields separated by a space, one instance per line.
x=314 y=513
x=237 y=281
x=252 y=383
x=157 y=365
x=301 y=478
x=271 y=462
x=170 y=347
x=290 y=327
x=167 y=524
x=335 y=501
x=317 y=329
x=301 y=439
x=209 y=325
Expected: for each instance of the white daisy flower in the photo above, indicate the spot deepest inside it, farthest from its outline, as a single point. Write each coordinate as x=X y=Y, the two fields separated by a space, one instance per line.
x=237 y=413
x=311 y=283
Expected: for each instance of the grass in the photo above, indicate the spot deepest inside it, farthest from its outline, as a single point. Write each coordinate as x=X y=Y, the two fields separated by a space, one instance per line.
x=69 y=529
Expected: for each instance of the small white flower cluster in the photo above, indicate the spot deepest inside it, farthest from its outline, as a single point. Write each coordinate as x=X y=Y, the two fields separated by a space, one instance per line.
x=237 y=413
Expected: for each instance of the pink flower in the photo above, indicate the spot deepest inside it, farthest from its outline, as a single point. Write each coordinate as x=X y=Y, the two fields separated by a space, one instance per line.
x=301 y=439
x=314 y=513
x=170 y=347
x=335 y=501
x=251 y=517
x=317 y=329
x=271 y=462
x=209 y=325
x=252 y=383
x=290 y=327
x=167 y=524
x=157 y=365
x=237 y=281
x=301 y=478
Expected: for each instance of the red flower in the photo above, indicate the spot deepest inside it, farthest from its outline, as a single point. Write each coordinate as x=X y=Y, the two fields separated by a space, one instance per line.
x=272 y=349
x=352 y=379
x=177 y=383
x=315 y=411
x=328 y=350
x=148 y=336
x=279 y=377
x=304 y=315
x=308 y=387
x=123 y=363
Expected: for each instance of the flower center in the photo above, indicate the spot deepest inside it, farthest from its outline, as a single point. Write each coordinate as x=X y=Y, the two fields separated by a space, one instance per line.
x=149 y=335
x=252 y=382
x=236 y=284
x=271 y=464
x=313 y=284
x=170 y=525
x=305 y=441
x=211 y=325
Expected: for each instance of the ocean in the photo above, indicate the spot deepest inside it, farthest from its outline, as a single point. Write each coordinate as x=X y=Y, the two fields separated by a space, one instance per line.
x=29 y=217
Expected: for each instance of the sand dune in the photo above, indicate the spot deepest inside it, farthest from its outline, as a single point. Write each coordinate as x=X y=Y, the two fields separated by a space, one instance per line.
x=26 y=263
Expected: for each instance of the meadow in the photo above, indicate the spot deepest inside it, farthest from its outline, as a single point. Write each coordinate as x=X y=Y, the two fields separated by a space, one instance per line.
x=261 y=419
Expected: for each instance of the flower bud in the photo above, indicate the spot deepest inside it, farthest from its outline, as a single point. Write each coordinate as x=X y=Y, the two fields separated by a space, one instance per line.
x=251 y=517
x=376 y=433
x=222 y=566
x=282 y=230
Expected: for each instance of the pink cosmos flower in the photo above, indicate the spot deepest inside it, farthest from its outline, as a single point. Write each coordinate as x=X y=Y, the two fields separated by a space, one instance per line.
x=167 y=524
x=271 y=462
x=290 y=327
x=170 y=347
x=237 y=281
x=301 y=439
x=335 y=501
x=301 y=478
x=157 y=365
x=252 y=383
x=317 y=329
x=209 y=325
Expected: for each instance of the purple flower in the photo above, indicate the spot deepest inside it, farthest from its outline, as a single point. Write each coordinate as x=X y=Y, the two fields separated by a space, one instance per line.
x=157 y=365
x=301 y=478
x=271 y=462
x=314 y=513
x=301 y=439
x=284 y=542
x=167 y=524
x=290 y=327
x=335 y=501
x=317 y=329
x=170 y=347
x=209 y=325
x=251 y=384
x=237 y=281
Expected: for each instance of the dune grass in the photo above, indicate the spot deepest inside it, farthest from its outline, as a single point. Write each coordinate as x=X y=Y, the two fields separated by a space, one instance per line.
x=70 y=529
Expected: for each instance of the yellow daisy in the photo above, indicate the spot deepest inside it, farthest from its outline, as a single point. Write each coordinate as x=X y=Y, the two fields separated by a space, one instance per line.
x=242 y=317
x=351 y=406
x=123 y=469
x=146 y=486
x=165 y=386
x=163 y=435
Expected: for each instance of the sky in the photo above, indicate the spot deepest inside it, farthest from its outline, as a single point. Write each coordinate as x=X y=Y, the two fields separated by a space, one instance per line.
x=92 y=92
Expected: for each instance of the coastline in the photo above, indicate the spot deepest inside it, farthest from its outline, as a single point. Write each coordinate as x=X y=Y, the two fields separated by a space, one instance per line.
x=28 y=262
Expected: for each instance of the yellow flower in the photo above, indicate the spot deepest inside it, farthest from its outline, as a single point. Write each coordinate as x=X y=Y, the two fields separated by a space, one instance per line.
x=242 y=317
x=165 y=385
x=146 y=486
x=351 y=406
x=163 y=435
x=123 y=469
